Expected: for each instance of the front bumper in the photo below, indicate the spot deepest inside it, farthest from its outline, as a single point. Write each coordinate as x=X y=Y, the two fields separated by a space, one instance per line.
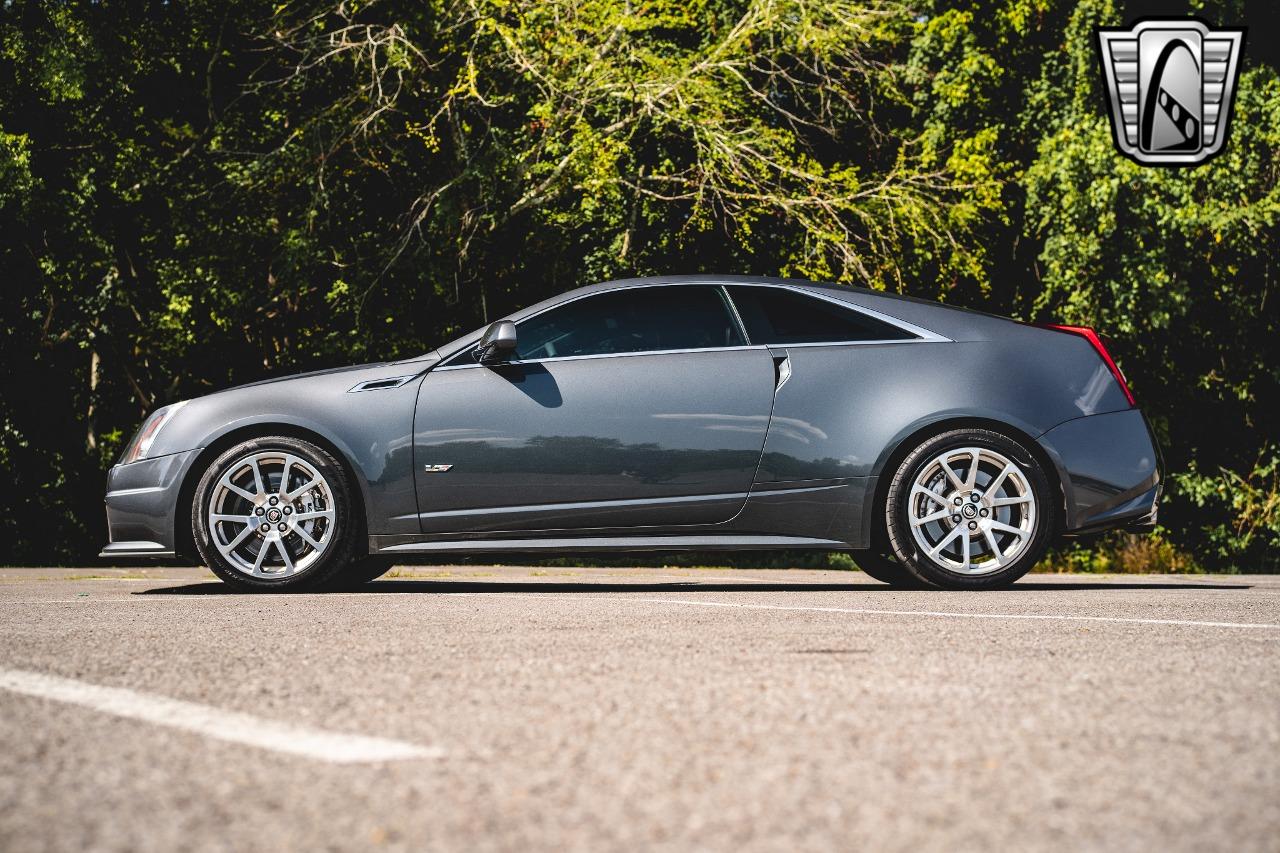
x=1110 y=470
x=142 y=503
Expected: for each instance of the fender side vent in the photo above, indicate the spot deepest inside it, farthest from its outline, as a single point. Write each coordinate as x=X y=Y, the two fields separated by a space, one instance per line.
x=380 y=384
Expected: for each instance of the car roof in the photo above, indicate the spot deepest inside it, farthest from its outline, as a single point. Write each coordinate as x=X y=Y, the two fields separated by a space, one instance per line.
x=945 y=320
x=825 y=287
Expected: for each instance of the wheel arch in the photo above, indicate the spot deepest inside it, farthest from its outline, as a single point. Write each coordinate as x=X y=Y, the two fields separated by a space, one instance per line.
x=184 y=536
x=873 y=521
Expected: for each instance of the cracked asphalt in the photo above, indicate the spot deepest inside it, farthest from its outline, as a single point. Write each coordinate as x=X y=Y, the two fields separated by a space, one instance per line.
x=663 y=708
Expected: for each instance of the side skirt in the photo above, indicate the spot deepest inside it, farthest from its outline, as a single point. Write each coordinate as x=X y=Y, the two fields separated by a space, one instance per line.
x=401 y=544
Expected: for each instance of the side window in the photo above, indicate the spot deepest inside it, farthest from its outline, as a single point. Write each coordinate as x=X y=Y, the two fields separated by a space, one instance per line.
x=637 y=319
x=774 y=315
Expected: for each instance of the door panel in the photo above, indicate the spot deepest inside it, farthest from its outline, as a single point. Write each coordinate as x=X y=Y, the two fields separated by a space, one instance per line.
x=618 y=441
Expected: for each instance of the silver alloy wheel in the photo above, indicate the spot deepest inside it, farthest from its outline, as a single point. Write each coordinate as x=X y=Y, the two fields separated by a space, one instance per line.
x=972 y=510
x=271 y=514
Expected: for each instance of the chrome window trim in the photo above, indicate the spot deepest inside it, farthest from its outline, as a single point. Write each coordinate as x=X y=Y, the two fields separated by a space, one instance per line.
x=733 y=314
x=606 y=355
x=922 y=334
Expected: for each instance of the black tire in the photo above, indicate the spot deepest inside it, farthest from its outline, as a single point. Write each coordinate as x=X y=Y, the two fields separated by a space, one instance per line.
x=886 y=569
x=342 y=540
x=366 y=570
x=934 y=571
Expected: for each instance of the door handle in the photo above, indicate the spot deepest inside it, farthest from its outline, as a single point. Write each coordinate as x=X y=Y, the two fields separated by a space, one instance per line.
x=781 y=371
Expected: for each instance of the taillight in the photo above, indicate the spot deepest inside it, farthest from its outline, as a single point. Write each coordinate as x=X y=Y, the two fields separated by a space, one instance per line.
x=1092 y=337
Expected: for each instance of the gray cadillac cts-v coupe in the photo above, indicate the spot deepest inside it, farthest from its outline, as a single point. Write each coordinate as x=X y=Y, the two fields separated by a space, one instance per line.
x=944 y=447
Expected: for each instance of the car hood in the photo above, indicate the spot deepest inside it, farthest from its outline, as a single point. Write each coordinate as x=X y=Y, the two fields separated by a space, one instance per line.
x=351 y=368
x=376 y=369
x=315 y=400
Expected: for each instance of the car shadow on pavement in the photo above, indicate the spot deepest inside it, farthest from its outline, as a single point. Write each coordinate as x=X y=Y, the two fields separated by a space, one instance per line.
x=500 y=587
x=402 y=586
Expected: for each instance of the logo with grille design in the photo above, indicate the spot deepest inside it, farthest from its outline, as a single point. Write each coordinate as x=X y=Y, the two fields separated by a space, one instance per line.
x=1169 y=88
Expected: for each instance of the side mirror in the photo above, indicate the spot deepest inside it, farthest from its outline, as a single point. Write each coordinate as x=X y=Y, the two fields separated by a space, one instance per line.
x=498 y=343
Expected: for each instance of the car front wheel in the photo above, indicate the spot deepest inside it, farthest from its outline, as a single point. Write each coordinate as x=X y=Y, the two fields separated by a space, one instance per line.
x=969 y=509
x=365 y=570
x=883 y=566
x=274 y=514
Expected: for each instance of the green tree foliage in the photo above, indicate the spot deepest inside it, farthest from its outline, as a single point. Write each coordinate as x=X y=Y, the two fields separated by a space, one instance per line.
x=194 y=194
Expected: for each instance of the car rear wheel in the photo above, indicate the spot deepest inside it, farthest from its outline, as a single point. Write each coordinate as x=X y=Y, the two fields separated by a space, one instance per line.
x=275 y=514
x=969 y=509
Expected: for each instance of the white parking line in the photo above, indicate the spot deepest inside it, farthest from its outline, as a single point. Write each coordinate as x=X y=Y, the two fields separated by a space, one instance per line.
x=213 y=722
x=692 y=579
x=869 y=611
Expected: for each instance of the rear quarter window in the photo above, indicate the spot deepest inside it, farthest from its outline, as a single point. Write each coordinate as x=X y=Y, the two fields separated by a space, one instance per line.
x=774 y=315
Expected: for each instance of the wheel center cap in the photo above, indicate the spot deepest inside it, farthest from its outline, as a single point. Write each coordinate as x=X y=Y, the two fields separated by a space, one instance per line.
x=273 y=515
x=970 y=511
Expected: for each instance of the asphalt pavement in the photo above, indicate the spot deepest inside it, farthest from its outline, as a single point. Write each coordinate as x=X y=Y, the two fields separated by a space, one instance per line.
x=511 y=708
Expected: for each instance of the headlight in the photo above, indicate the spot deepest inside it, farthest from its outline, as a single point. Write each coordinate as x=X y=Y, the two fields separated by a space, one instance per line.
x=141 y=444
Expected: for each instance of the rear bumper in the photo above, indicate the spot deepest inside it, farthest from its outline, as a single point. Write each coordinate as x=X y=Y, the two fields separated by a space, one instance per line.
x=142 y=502
x=1110 y=470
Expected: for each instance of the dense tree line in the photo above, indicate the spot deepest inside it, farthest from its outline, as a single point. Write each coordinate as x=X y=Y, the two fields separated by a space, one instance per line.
x=196 y=194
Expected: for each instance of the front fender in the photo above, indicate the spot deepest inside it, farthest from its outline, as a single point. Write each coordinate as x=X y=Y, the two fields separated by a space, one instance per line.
x=371 y=430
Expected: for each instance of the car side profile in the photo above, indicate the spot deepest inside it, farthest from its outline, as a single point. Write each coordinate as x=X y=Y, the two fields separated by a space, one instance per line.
x=943 y=447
